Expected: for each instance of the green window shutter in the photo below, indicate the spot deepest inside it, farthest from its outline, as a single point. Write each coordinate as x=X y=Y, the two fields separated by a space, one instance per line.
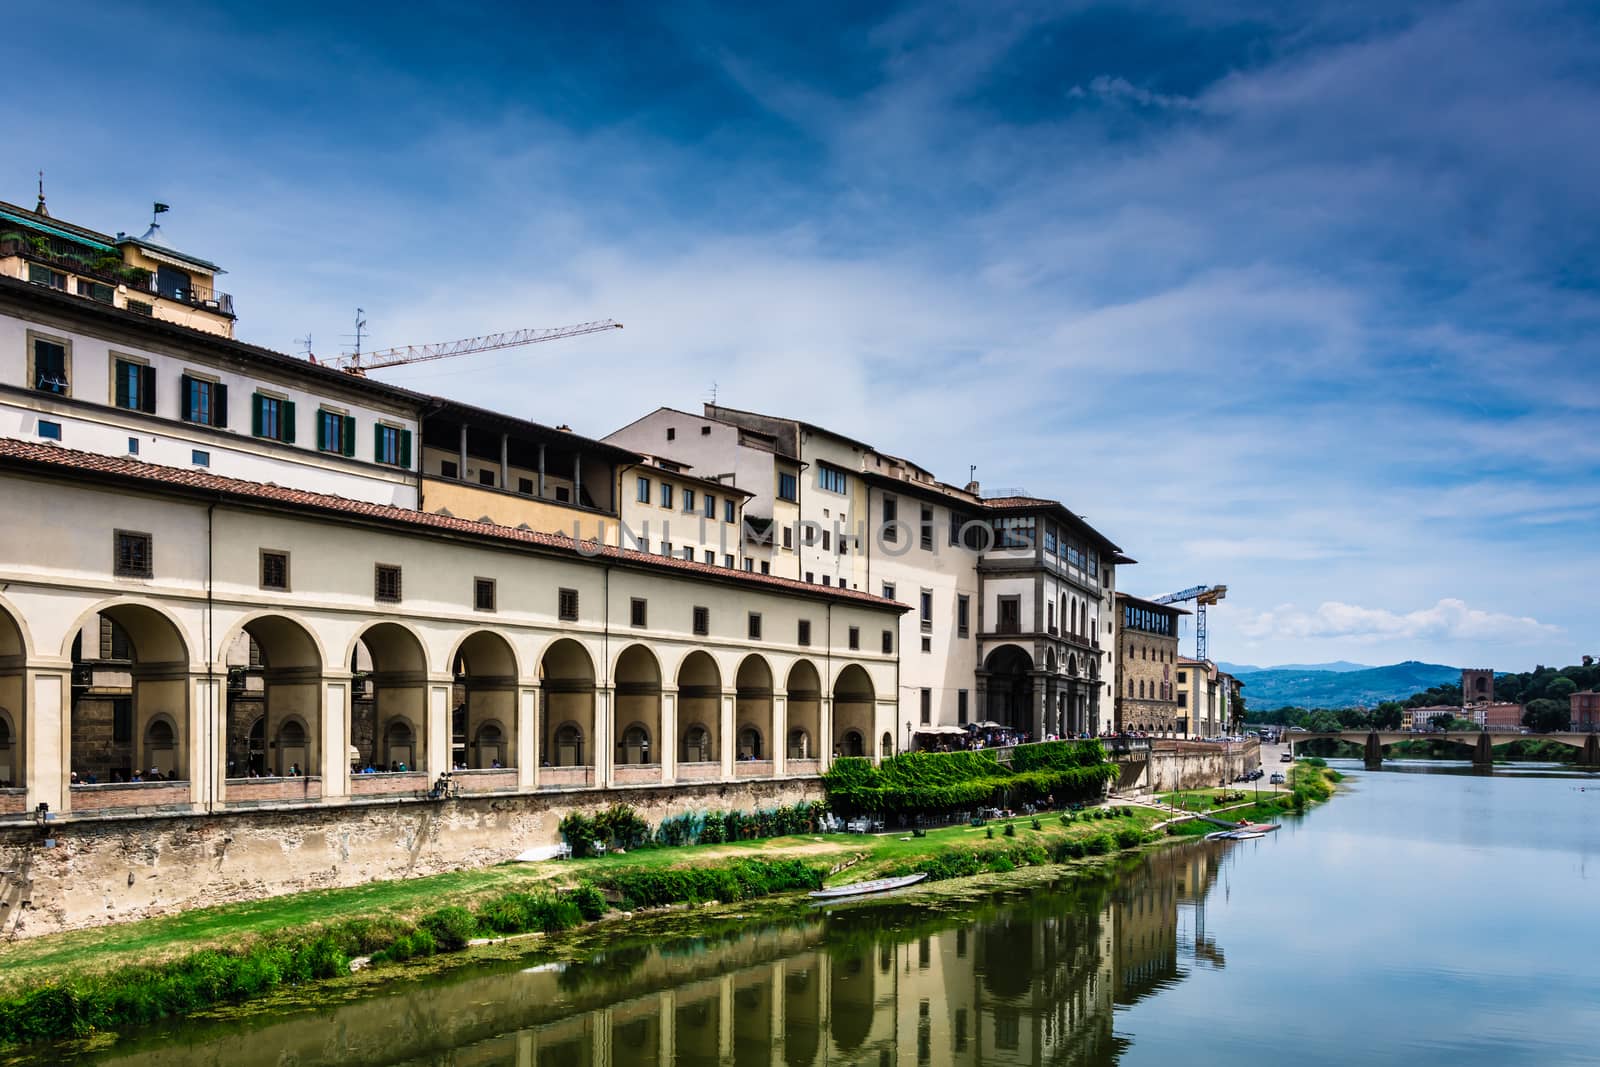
x=349 y=435
x=405 y=450
x=219 y=406
x=122 y=384
x=286 y=418
x=322 y=431
x=255 y=414
x=186 y=398
x=147 y=389
x=377 y=442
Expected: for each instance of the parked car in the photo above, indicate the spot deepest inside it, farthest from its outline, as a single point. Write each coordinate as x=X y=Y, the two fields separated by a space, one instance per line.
x=1286 y=758
x=1276 y=779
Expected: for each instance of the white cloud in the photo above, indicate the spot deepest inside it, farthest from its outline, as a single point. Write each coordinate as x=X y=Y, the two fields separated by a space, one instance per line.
x=1120 y=89
x=1448 y=620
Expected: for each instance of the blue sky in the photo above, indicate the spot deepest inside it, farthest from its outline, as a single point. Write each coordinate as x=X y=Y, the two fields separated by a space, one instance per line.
x=1300 y=298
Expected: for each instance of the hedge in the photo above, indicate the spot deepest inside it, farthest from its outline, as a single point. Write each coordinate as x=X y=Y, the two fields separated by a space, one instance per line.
x=943 y=782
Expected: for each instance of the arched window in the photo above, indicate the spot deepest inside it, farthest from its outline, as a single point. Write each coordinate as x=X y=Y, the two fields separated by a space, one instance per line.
x=635 y=745
x=750 y=743
x=1130 y=687
x=161 y=747
x=800 y=745
x=256 y=748
x=8 y=769
x=291 y=749
x=1083 y=616
x=697 y=745
x=399 y=746
x=886 y=744
x=490 y=744
x=569 y=746
x=851 y=744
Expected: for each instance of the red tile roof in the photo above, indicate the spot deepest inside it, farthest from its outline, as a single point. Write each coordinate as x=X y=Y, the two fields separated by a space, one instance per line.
x=32 y=453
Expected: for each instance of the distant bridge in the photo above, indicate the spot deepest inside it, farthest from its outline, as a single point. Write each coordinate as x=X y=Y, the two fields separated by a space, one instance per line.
x=1482 y=742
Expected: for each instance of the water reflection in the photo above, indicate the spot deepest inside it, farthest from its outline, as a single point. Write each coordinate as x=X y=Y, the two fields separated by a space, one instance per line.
x=1019 y=978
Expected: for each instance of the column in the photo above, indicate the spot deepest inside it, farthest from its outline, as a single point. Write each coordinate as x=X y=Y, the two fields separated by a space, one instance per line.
x=206 y=759
x=46 y=722
x=825 y=740
x=730 y=743
x=1039 y=697
x=604 y=743
x=779 y=742
x=541 y=472
x=335 y=737
x=577 y=481
x=528 y=739
x=505 y=461
x=667 y=743
x=461 y=455
x=438 y=711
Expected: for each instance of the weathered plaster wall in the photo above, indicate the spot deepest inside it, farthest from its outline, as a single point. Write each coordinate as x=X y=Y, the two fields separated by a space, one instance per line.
x=113 y=870
x=1196 y=765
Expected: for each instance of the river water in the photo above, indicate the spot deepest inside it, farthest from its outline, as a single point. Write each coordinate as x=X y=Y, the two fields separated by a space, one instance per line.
x=1427 y=915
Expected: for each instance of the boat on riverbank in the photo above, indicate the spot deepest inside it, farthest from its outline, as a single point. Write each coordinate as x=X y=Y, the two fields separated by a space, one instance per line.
x=858 y=889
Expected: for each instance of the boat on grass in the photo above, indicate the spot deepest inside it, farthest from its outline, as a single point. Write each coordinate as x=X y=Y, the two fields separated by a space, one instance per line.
x=858 y=889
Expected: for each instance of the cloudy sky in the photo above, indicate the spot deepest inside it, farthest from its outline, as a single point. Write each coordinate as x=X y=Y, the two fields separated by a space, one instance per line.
x=1300 y=298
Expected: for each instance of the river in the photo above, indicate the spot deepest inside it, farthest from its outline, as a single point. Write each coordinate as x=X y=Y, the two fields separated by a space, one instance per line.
x=1427 y=915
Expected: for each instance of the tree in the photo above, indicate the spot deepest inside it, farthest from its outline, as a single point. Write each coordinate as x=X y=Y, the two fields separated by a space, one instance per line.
x=1441 y=721
x=1388 y=716
x=1560 y=688
x=1545 y=715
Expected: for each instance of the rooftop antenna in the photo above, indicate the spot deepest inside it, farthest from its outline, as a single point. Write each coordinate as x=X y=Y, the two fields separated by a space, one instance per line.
x=713 y=394
x=40 y=209
x=361 y=326
x=305 y=343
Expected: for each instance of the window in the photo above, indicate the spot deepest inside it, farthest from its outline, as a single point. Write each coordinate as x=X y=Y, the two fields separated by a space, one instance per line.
x=392 y=446
x=386 y=583
x=1183 y=676
x=135 y=386
x=688 y=552
x=133 y=446
x=711 y=558
x=525 y=486
x=788 y=538
x=788 y=487
x=755 y=626
x=483 y=594
x=831 y=478
x=96 y=291
x=204 y=402
x=803 y=636
x=485 y=477
x=710 y=503
x=927 y=610
x=638 y=612
x=50 y=431
x=926 y=707
x=337 y=433
x=702 y=621
x=42 y=275
x=666 y=494
x=963 y=612
x=448 y=469
x=644 y=490
x=766 y=567
x=567 y=605
x=855 y=638
x=272 y=418
x=927 y=528
x=888 y=642
x=827 y=579
x=749 y=564
x=810 y=577
x=275 y=570
x=1050 y=616
x=728 y=510
x=891 y=514
x=672 y=433
x=1010 y=621
x=132 y=555
x=688 y=499
x=927 y=644
x=200 y=457
x=563 y=495
x=961 y=707
x=825 y=542
x=705 y=431
x=888 y=590
x=727 y=561
x=139 y=307
x=51 y=363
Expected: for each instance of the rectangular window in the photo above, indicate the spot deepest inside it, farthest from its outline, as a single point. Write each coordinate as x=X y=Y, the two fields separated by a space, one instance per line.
x=702 y=621
x=336 y=433
x=832 y=479
x=688 y=552
x=644 y=490
x=891 y=513
x=728 y=510
x=711 y=558
x=749 y=564
x=133 y=446
x=486 y=476
x=448 y=469
x=888 y=590
x=204 y=402
x=638 y=612
x=963 y=615
x=132 y=554
x=666 y=494
x=42 y=275
x=50 y=365
x=827 y=579
x=927 y=609
x=927 y=644
x=1183 y=676
x=200 y=458
x=710 y=503
x=688 y=499
x=272 y=418
x=727 y=561
x=525 y=486
x=957 y=520
x=122 y=720
x=926 y=707
x=672 y=432
x=567 y=605
x=135 y=387
x=755 y=626
x=483 y=590
x=803 y=637
x=825 y=543
x=888 y=642
x=855 y=638
x=275 y=570
x=810 y=577
x=1010 y=621
x=788 y=538
x=766 y=567
x=50 y=431
x=961 y=707
x=139 y=307
x=96 y=291
x=788 y=487
x=386 y=583
x=927 y=528
x=391 y=446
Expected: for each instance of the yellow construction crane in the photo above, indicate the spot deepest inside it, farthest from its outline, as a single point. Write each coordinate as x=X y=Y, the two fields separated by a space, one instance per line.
x=1204 y=596
x=359 y=362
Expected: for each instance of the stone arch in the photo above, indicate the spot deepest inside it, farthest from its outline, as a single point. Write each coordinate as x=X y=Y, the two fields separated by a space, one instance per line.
x=158 y=747
x=399 y=751
x=281 y=682
x=112 y=714
x=566 y=692
x=854 y=701
x=1010 y=687
x=753 y=709
x=291 y=745
x=699 y=709
x=483 y=694
x=14 y=645
x=803 y=691
x=638 y=702
x=394 y=690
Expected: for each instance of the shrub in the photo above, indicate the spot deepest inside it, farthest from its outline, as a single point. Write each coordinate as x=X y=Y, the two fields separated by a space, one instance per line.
x=1037 y=825
x=619 y=826
x=1128 y=837
x=1098 y=845
x=451 y=928
x=1011 y=829
x=589 y=901
x=580 y=832
x=988 y=832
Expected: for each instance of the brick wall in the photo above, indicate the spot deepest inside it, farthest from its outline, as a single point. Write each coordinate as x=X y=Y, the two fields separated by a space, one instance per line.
x=129 y=795
x=273 y=790
x=377 y=785
x=13 y=801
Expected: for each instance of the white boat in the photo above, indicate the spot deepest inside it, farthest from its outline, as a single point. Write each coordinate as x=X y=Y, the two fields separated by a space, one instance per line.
x=1235 y=835
x=857 y=889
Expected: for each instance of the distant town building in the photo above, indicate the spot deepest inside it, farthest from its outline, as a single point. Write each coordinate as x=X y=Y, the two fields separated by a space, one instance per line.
x=1477 y=685
x=1585 y=710
x=1499 y=716
x=1147 y=658
x=1422 y=718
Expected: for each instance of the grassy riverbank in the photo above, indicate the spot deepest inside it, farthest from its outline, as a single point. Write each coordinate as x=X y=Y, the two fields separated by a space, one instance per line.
x=108 y=978
x=1310 y=781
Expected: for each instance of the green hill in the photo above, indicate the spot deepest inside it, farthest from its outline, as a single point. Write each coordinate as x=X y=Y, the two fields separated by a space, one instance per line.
x=1279 y=687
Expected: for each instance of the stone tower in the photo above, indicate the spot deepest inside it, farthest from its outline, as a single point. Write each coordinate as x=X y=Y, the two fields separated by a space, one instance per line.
x=1477 y=685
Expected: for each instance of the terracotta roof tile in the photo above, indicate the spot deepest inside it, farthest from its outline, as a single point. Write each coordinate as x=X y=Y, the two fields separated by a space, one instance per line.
x=49 y=455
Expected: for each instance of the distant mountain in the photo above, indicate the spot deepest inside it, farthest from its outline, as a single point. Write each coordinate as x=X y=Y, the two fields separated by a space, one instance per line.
x=1338 y=666
x=1237 y=669
x=1342 y=685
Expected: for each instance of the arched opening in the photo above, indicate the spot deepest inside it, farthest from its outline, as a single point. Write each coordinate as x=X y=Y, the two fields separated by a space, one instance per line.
x=638 y=702
x=804 y=707
x=9 y=764
x=1010 y=688
x=274 y=680
x=12 y=657
x=566 y=709
x=699 y=710
x=886 y=745
x=130 y=669
x=634 y=746
x=484 y=703
x=852 y=744
x=389 y=707
x=853 y=701
x=753 y=710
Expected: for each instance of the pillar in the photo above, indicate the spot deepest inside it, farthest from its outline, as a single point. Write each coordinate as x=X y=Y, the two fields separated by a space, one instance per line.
x=528 y=739
x=45 y=720
x=667 y=743
x=825 y=741
x=461 y=455
x=541 y=472
x=206 y=761
x=1374 y=753
x=505 y=461
x=604 y=752
x=1483 y=752
x=727 y=723
x=1040 y=695
x=438 y=739
x=336 y=737
x=1591 y=751
x=779 y=745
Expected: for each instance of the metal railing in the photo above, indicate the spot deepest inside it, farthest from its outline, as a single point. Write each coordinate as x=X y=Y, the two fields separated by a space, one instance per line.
x=137 y=280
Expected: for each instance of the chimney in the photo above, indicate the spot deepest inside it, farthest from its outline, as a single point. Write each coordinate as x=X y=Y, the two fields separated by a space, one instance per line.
x=564 y=428
x=972 y=487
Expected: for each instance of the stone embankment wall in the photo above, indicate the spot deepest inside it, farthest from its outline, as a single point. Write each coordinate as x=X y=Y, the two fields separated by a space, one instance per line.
x=1197 y=764
x=104 y=870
